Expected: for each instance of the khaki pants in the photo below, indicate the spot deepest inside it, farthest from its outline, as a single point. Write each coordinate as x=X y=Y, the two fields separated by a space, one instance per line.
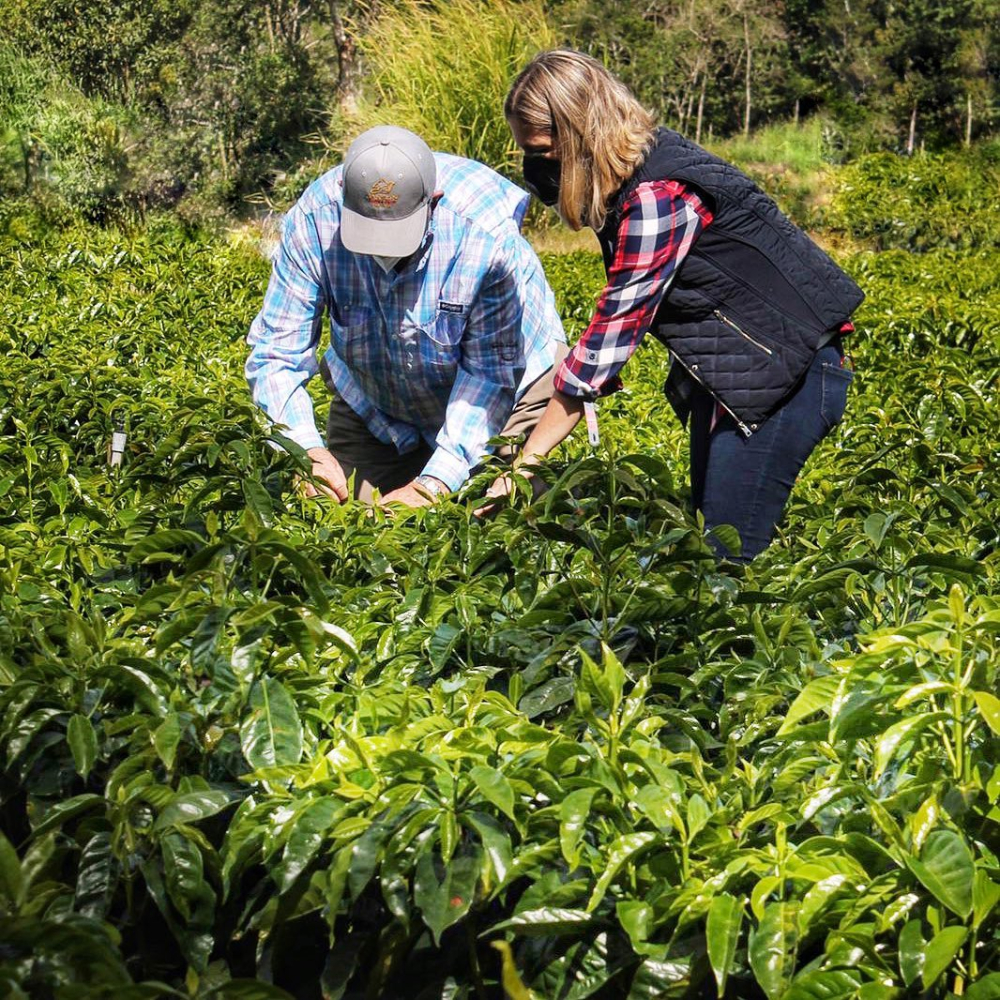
x=379 y=466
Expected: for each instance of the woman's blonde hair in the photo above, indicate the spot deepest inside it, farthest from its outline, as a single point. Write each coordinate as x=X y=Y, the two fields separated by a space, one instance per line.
x=600 y=132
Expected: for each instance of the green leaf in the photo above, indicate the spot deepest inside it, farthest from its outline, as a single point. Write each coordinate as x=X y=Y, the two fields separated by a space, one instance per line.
x=553 y=693
x=817 y=897
x=918 y=692
x=158 y=545
x=184 y=873
x=725 y=919
x=635 y=916
x=623 y=850
x=494 y=787
x=654 y=979
x=911 y=952
x=95 y=877
x=614 y=675
x=445 y=901
x=64 y=811
x=574 y=815
x=924 y=820
x=945 y=867
x=495 y=840
x=814 y=697
x=191 y=807
x=989 y=707
x=166 y=738
x=949 y=564
x=545 y=921
x=660 y=805
x=941 y=952
x=698 y=814
x=82 y=742
x=272 y=734
x=985 y=896
x=986 y=988
x=773 y=946
x=594 y=681
x=891 y=740
x=11 y=880
x=308 y=833
x=248 y=989
x=258 y=500
x=832 y=984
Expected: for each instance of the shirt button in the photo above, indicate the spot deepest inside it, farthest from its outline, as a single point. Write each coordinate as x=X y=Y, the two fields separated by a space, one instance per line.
x=694 y=368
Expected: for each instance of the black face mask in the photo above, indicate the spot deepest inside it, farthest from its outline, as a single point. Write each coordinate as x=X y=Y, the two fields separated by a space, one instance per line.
x=541 y=177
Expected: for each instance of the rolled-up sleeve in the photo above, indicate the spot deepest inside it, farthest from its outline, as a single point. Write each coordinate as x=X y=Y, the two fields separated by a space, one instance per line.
x=284 y=335
x=659 y=224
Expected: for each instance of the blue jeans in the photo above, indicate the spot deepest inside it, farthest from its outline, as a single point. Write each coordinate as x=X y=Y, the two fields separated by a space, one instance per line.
x=745 y=481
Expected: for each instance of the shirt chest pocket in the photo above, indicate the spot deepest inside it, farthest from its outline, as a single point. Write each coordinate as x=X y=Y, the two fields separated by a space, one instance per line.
x=438 y=336
x=354 y=326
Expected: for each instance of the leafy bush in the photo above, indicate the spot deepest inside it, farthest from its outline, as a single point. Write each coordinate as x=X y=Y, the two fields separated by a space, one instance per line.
x=929 y=200
x=64 y=149
x=255 y=746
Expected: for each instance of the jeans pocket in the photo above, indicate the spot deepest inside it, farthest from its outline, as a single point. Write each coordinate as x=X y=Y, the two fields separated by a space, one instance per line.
x=836 y=381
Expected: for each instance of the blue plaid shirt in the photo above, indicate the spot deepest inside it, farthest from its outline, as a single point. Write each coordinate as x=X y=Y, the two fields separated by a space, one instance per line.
x=437 y=351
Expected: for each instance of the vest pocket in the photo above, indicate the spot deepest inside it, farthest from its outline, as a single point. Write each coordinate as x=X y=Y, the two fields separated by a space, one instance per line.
x=733 y=325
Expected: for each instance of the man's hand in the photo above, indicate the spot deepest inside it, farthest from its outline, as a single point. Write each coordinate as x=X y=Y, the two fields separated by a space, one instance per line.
x=410 y=495
x=329 y=476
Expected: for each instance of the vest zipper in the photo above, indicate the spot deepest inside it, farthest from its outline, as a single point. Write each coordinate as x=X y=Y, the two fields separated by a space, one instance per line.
x=742 y=333
x=747 y=432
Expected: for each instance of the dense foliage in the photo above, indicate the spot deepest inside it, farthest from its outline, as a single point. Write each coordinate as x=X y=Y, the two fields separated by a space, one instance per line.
x=256 y=746
x=111 y=110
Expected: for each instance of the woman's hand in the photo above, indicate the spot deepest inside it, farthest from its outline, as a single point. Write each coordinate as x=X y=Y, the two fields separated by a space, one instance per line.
x=501 y=488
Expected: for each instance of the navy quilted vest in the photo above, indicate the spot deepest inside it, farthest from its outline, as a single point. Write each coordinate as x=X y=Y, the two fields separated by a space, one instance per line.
x=753 y=299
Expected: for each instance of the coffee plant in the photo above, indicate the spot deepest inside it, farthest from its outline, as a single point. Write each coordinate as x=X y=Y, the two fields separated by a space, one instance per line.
x=257 y=746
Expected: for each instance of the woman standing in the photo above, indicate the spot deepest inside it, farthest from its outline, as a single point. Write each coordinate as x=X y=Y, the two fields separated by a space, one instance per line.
x=751 y=310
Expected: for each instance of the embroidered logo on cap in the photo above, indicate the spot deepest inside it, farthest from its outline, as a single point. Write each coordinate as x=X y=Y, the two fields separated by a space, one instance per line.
x=381 y=195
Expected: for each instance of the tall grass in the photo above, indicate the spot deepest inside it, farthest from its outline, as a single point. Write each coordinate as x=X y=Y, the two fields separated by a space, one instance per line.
x=797 y=147
x=443 y=69
x=790 y=161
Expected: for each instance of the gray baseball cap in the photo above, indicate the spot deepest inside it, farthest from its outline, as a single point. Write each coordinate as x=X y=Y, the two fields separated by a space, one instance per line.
x=389 y=178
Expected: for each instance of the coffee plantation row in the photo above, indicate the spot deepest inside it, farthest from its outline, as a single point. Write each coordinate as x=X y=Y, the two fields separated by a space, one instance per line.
x=259 y=746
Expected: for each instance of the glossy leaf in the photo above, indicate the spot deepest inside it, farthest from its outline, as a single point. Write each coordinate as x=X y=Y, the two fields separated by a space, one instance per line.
x=773 y=944
x=945 y=867
x=725 y=919
x=191 y=807
x=989 y=707
x=11 y=880
x=816 y=696
x=82 y=742
x=940 y=952
x=832 y=984
x=272 y=733
x=895 y=736
x=621 y=852
x=574 y=818
x=912 y=954
x=446 y=899
x=494 y=787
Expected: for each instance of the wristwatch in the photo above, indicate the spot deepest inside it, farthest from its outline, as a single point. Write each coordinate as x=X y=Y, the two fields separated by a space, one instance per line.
x=431 y=485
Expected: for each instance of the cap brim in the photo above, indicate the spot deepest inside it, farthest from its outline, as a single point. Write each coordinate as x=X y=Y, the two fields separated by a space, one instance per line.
x=385 y=237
